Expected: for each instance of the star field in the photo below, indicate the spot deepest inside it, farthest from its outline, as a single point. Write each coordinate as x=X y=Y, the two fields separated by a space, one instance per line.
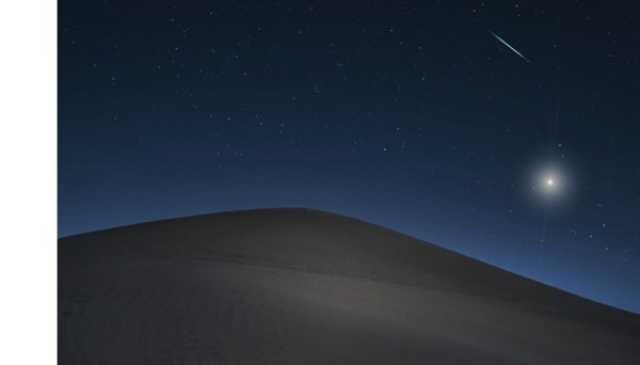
x=409 y=115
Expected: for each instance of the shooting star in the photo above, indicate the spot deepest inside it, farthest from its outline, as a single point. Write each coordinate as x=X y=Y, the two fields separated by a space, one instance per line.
x=509 y=46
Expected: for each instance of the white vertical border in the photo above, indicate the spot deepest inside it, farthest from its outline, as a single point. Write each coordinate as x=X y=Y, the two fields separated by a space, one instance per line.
x=28 y=181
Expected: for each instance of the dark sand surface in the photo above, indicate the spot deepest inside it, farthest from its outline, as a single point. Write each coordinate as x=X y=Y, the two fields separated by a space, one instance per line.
x=298 y=286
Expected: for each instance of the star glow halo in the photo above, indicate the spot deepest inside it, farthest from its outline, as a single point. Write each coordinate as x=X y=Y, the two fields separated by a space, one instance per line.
x=551 y=182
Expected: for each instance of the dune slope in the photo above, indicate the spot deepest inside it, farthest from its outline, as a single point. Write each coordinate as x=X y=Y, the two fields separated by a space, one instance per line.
x=298 y=286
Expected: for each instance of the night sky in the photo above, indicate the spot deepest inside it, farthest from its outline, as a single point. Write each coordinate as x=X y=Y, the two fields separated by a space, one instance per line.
x=411 y=115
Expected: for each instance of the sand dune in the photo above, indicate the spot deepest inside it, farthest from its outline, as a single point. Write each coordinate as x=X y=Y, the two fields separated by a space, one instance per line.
x=298 y=286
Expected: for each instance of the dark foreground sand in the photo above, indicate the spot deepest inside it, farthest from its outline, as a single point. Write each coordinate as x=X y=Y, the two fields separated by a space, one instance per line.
x=296 y=286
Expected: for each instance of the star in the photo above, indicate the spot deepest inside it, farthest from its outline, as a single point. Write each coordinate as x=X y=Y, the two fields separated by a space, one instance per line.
x=551 y=181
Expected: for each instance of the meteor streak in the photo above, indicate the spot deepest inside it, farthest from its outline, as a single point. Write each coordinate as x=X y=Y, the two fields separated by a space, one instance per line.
x=509 y=46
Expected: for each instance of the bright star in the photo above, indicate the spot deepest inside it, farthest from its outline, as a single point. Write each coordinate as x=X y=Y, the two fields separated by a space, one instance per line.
x=550 y=183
